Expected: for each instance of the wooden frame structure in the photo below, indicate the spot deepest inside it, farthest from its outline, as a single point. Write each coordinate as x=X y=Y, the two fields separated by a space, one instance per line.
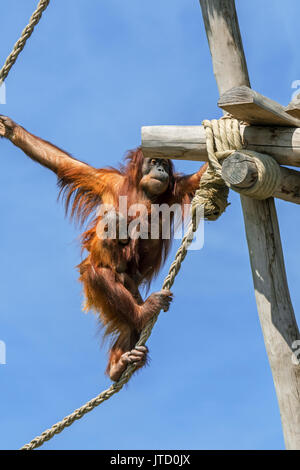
x=274 y=130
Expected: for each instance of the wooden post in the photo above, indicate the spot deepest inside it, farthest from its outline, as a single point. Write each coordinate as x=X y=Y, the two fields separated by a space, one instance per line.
x=271 y=289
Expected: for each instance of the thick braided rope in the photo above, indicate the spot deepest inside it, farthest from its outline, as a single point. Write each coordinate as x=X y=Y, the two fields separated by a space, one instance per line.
x=223 y=139
x=20 y=44
x=167 y=284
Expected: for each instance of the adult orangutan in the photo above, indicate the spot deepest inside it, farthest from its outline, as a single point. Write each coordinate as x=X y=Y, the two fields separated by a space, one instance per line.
x=114 y=268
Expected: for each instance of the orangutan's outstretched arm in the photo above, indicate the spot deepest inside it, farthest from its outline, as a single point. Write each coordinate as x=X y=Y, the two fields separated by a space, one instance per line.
x=38 y=149
x=82 y=185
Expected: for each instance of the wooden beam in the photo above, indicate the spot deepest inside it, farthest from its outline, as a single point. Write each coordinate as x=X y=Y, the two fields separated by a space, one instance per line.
x=240 y=171
x=293 y=108
x=189 y=142
x=274 y=305
x=248 y=105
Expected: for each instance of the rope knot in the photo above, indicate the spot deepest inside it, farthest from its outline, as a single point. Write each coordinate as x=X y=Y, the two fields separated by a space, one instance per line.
x=222 y=138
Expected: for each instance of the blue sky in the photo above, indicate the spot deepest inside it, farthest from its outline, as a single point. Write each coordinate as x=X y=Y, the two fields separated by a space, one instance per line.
x=91 y=75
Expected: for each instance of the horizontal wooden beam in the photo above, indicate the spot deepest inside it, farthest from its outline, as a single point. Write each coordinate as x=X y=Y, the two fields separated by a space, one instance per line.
x=293 y=108
x=240 y=171
x=250 y=106
x=189 y=142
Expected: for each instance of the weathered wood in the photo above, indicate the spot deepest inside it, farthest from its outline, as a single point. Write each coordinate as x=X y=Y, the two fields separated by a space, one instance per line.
x=294 y=108
x=225 y=43
x=289 y=188
x=189 y=142
x=275 y=309
x=248 y=105
x=240 y=171
x=177 y=142
x=272 y=294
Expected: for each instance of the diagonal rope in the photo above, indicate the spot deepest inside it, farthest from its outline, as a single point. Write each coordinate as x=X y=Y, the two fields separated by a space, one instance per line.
x=20 y=44
x=216 y=204
x=117 y=386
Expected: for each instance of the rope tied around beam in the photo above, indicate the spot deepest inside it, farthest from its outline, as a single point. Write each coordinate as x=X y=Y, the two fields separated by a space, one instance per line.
x=223 y=138
x=221 y=141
